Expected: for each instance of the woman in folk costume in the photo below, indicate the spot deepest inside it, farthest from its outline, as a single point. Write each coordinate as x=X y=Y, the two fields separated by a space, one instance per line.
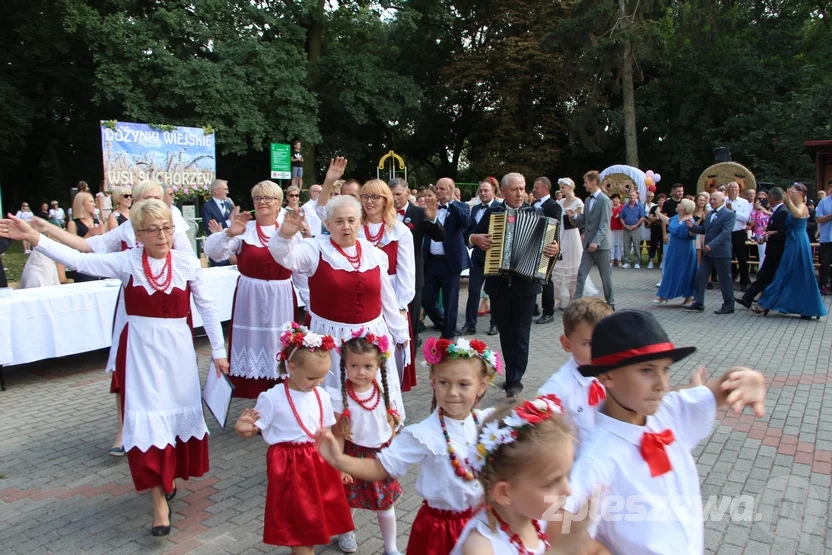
x=264 y=298
x=383 y=229
x=164 y=430
x=347 y=288
x=118 y=239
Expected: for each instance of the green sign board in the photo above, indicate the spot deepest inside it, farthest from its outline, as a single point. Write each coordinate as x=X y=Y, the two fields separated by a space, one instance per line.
x=281 y=161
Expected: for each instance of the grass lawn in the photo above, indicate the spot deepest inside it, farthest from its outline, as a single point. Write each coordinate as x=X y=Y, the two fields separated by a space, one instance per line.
x=13 y=261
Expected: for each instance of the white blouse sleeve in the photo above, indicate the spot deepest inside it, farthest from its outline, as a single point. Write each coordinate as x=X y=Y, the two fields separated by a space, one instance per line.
x=107 y=242
x=210 y=317
x=108 y=264
x=296 y=256
x=181 y=242
x=405 y=270
x=404 y=452
x=396 y=323
x=219 y=246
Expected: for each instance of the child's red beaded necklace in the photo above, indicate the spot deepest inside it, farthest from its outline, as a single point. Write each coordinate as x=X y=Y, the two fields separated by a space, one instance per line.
x=515 y=538
x=459 y=468
x=368 y=404
x=297 y=416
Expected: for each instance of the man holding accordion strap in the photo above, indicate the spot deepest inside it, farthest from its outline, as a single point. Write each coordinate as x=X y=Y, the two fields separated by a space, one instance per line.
x=512 y=296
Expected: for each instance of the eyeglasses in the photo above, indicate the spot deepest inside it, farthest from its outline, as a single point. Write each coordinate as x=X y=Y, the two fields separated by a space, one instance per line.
x=126 y=196
x=374 y=198
x=294 y=195
x=263 y=199
x=157 y=231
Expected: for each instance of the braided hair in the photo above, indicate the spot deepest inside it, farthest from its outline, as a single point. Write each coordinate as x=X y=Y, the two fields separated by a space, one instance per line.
x=360 y=346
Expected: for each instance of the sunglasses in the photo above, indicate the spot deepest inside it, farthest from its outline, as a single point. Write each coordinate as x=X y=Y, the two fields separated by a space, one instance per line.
x=293 y=196
x=126 y=196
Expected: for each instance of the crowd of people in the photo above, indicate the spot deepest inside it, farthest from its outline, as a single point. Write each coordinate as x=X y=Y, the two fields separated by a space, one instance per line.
x=366 y=260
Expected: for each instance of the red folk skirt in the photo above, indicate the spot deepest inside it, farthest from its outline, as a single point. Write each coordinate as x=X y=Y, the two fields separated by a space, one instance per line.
x=435 y=532
x=305 y=501
x=160 y=467
x=373 y=496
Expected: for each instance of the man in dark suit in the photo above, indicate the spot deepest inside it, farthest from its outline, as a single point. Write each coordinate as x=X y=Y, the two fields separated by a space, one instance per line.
x=775 y=240
x=512 y=297
x=445 y=260
x=485 y=192
x=422 y=222
x=218 y=209
x=551 y=209
x=716 y=253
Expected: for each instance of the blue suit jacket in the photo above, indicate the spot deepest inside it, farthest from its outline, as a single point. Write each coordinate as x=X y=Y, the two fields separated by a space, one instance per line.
x=210 y=211
x=456 y=226
x=717 y=231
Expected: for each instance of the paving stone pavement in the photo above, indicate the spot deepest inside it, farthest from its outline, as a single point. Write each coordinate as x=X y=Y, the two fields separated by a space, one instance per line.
x=61 y=493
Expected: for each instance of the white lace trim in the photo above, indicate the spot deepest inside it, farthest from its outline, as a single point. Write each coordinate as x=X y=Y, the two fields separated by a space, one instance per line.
x=250 y=234
x=160 y=429
x=390 y=235
x=184 y=267
x=369 y=255
x=245 y=363
x=428 y=432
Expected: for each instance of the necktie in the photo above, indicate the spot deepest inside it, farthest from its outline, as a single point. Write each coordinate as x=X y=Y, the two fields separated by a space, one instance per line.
x=596 y=393
x=653 y=451
x=401 y=211
x=443 y=206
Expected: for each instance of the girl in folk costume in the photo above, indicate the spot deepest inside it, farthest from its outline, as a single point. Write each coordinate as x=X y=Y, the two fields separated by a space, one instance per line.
x=347 y=288
x=118 y=239
x=442 y=445
x=264 y=298
x=383 y=229
x=366 y=424
x=522 y=460
x=164 y=430
x=305 y=502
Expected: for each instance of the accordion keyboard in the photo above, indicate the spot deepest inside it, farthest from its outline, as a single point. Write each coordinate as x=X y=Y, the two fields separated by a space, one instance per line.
x=494 y=255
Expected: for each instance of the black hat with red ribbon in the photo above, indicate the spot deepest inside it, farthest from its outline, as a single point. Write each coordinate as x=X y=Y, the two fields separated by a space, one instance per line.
x=627 y=337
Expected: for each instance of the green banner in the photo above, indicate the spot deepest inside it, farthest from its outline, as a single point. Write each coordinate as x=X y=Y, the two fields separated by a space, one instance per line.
x=281 y=161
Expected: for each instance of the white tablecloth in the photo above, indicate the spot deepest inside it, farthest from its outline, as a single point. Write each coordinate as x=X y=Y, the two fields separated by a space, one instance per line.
x=48 y=322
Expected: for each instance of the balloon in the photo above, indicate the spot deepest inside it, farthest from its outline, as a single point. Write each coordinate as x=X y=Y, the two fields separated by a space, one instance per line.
x=649 y=173
x=652 y=188
x=649 y=181
x=656 y=178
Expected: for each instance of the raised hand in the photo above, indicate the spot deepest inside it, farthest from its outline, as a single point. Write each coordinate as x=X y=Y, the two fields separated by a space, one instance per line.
x=336 y=169
x=214 y=227
x=747 y=389
x=431 y=207
x=245 y=426
x=238 y=223
x=291 y=224
x=18 y=230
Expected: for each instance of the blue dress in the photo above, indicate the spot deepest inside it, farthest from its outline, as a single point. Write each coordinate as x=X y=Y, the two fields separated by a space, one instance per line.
x=679 y=262
x=795 y=289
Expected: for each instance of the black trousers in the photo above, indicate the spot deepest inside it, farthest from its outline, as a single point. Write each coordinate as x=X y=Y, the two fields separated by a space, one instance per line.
x=213 y=264
x=825 y=263
x=475 y=283
x=547 y=298
x=738 y=239
x=439 y=277
x=765 y=275
x=513 y=315
x=656 y=243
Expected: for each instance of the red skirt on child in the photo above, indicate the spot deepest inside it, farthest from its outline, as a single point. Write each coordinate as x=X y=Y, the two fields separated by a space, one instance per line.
x=373 y=496
x=435 y=532
x=305 y=501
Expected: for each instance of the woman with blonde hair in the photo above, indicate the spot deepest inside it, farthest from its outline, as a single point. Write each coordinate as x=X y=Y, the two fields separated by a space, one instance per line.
x=264 y=298
x=122 y=200
x=381 y=227
x=565 y=274
x=165 y=435
x=679 y=256
x=83 y=224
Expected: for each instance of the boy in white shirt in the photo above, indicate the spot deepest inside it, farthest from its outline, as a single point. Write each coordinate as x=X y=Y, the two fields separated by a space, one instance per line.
x=580 y=396
x=640 y=450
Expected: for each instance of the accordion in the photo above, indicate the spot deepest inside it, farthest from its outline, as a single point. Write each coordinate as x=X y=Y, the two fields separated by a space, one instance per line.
x=517 y=241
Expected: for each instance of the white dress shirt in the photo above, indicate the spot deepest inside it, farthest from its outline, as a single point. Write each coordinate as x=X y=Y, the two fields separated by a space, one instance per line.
x=437 y=248
x=539 y=203
x=222 y=206
x=647 y=515
x=742 y=208
x=480 y=214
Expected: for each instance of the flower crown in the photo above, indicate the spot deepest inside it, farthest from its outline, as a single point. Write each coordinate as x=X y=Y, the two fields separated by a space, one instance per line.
x=379 y=341
x=295 y=336
x=505 y=431
x=436 y=350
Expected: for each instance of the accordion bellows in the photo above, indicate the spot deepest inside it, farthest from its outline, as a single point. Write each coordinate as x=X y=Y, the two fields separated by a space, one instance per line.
x=517 y=241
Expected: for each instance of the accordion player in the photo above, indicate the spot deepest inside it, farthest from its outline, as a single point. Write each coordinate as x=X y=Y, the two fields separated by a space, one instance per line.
x=518 y=239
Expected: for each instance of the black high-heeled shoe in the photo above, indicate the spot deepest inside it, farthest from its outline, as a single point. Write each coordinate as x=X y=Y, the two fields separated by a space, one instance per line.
x=159 y=531
x=169 y=496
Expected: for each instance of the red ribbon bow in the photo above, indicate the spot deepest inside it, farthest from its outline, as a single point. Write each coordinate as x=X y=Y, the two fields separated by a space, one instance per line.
x=401 y=211
x=596 y=393
x=653 y=451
